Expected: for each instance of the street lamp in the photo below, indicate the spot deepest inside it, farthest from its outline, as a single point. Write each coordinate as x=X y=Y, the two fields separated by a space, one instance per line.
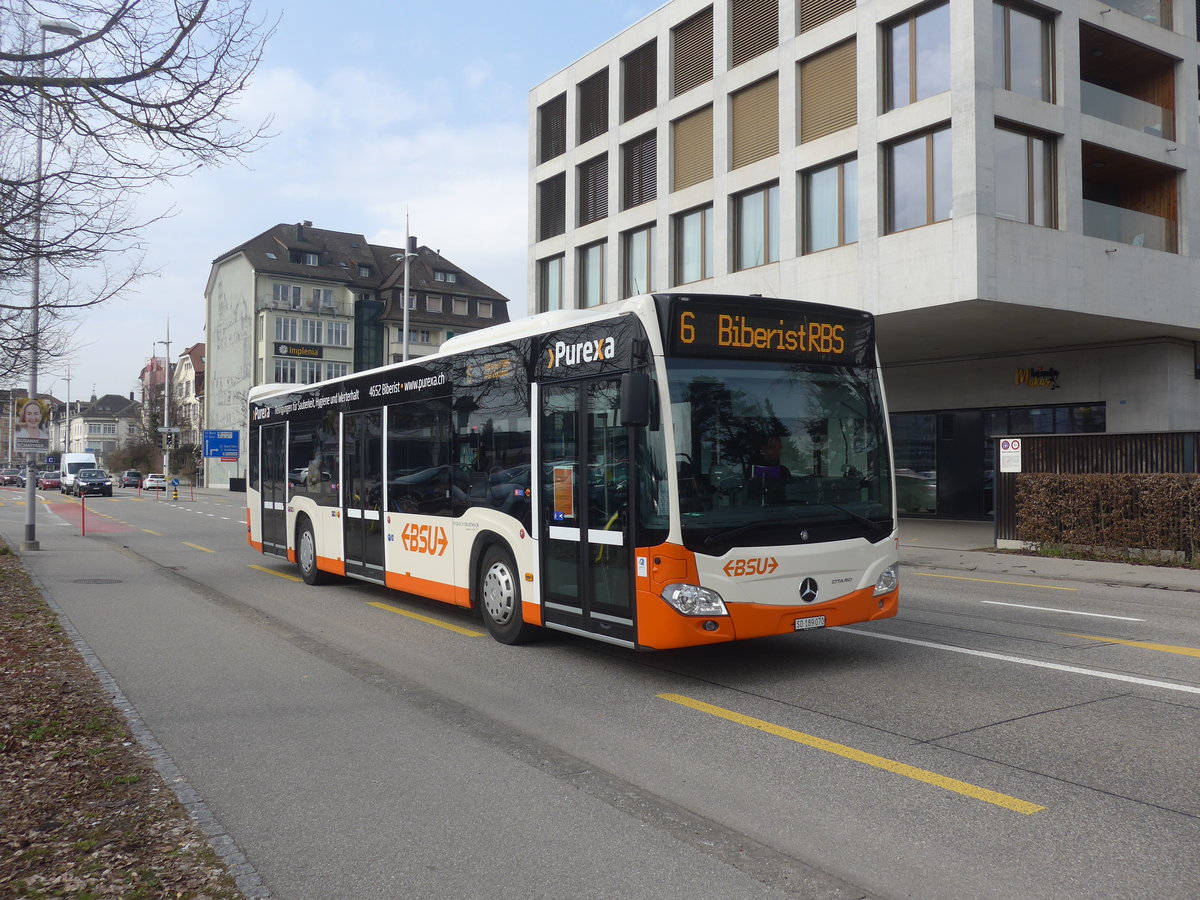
x=52 y=26
x=410 y=252
x=166 y=429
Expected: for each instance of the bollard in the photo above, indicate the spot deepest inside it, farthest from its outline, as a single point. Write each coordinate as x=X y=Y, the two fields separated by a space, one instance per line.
x=174 y=492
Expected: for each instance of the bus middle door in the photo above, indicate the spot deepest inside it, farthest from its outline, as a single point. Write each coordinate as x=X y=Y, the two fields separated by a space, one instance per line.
x=362 y=493
x=273 y=466
x=584 y=457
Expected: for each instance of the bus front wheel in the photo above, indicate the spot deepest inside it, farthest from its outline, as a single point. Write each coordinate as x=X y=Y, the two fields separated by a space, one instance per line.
x=499 y=593
x=306 y=553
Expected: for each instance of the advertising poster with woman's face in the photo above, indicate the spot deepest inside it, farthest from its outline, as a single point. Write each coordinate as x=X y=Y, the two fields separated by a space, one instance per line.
x=32 y=434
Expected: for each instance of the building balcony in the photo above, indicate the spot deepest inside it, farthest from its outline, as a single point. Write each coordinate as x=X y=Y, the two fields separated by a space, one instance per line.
x=1128 y=226
x=1129 y=199
x=1156 y=12
x=1126 y=83
x=1121 y=109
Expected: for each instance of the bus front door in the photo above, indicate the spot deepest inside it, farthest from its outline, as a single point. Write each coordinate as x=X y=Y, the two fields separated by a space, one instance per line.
x=273 y=466
x=362 y=493
x=584 y=510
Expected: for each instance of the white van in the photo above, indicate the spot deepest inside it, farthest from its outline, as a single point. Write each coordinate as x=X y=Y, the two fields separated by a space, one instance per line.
x=72 y=463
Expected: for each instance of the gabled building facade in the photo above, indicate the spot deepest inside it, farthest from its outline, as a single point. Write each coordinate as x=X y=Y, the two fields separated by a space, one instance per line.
x=100 y=425
x=299 y=304
x=187 y=389
x=1010 y=188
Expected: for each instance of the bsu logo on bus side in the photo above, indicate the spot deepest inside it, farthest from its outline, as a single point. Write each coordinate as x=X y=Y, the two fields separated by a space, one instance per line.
x=429 y=539
x=564 y=354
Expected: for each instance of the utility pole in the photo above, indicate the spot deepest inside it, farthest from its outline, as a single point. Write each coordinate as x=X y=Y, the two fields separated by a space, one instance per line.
x=167 y=405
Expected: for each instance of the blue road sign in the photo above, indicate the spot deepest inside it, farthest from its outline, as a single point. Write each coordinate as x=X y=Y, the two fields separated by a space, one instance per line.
x=219 y=443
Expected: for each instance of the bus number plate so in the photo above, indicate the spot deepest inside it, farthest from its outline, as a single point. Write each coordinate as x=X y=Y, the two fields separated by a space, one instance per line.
x=810 y=622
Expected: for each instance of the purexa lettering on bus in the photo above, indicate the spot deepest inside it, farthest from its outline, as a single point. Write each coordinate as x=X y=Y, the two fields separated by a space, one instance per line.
x=564 y=354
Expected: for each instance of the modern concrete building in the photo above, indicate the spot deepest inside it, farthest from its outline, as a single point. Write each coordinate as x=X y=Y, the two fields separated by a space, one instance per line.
x=298 y=304
x=1010 y=187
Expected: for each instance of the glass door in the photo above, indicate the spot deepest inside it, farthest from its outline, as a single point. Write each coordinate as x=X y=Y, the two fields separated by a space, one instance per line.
x=273 y=466
x=362 y=493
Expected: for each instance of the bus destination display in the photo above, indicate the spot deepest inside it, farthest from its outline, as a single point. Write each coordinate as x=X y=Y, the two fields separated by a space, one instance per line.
x=776 y=335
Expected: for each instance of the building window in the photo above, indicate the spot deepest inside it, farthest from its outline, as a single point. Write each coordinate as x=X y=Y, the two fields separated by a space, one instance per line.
x=831 y=206
x=692 y=52
x=549 y=287
x=448 y=277
x=337 y=334
x=818 y=12
x=312 y=259
x=310 y=371
x=459 y=306
x=593 y=189
x=639 y=160
x=753 y=29
x=310 y=331
x=286 y=294
x=1025 y=184
x=336 y=370
x=285 y=371
x=322 y=298
x=364 y=271
x=433 y=303
x=755 y=122
x=692 y=149
x=483 y=309
x=639 y=74
x=369 y=335
x=829 y=91
x=419 y=336
x=285 y=328
x=593 y=106
x=1023 y=52
x=552 y=128
x=918 y=180
x=552 y=206
x=637 y=248
x=591 y=275
x=918 y=56
x=756 y=227
x=694 y=245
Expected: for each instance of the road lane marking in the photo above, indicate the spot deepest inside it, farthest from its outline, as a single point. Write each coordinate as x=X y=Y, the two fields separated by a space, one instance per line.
x=1048 y=587
x=1162 y=648
x=1039 y=663
x=155 y=533
x=427 y=620
x=860 y=756
x=1073 y=612
x=276 y=574
x=197 y=547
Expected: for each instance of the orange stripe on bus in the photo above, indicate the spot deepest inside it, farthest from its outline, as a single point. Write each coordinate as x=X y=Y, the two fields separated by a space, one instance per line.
x=434 y=590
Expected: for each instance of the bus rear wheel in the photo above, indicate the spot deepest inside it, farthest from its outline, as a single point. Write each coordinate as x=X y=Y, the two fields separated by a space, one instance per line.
x=499 y=594
x=306 y=553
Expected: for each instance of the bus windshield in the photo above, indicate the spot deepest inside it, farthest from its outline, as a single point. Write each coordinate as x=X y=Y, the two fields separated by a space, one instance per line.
x=770 y=454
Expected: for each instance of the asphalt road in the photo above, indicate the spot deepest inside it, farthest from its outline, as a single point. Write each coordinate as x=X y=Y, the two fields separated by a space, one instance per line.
x=1004 y=737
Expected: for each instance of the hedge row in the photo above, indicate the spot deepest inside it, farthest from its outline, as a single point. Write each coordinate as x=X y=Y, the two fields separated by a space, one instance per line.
x=1111 y=514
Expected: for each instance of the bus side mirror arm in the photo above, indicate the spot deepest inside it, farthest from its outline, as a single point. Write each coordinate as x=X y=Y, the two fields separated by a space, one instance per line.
x=635 y=399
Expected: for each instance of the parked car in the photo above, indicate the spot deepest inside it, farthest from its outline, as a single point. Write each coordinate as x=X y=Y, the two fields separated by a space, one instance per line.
x=154 y=482
x=10 y=476
x=93 y=481
x=130 y=478
x=49 y=479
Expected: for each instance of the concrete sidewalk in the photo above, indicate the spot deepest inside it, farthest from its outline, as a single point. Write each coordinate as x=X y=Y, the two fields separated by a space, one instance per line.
x=969 y=546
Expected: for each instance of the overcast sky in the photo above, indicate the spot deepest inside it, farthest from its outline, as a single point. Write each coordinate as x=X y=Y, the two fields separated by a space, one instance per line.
x=379 y=106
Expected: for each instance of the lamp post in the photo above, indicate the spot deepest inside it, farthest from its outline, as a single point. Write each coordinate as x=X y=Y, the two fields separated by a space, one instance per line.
x=166 y=406
x=53 y=26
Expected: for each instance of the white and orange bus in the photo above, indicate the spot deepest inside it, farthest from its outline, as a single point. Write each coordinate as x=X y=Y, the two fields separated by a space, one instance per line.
x=667 y=471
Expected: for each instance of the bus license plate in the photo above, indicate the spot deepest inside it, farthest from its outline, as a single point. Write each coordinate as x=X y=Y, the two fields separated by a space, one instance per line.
x=810 y=622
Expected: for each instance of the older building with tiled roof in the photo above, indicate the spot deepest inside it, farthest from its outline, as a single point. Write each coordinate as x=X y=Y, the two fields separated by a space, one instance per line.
x=298 y=304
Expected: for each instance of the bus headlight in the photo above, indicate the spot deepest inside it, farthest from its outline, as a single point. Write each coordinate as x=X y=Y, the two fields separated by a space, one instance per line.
x=692 y=600
x=889 y=578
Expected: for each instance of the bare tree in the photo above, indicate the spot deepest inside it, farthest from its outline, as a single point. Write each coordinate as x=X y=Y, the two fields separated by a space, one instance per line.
x=143 y=93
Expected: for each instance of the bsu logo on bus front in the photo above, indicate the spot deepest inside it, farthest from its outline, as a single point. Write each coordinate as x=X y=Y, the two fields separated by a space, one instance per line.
x=564 y=354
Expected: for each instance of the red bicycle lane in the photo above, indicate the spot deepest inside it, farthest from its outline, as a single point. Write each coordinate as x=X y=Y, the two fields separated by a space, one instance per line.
x=95 y=518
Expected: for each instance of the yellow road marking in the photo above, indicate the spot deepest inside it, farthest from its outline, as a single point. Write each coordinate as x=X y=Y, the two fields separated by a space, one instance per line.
x=1163 y=648
x=1048 y=587
x=869 y=759
x=197 y=547
x=427 y=620
x=276 y=574
x=155 y=533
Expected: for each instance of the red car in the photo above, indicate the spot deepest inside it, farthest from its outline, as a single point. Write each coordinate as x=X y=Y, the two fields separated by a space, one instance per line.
x=47 y=480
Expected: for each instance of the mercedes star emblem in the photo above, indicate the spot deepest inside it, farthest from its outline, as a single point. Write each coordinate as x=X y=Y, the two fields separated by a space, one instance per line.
x=808 y=590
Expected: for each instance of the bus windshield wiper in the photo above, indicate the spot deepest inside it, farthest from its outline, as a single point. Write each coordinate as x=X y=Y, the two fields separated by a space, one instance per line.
x=875 y=527
x=730 y=533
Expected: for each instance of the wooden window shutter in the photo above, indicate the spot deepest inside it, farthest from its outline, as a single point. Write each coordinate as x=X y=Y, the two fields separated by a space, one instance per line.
x=593 y=189
x=641 y=165
x=593 y=106
x=817 y=12
x=828 y=91
x=552 y=128
x=755 y=113
x=552 y=206
x=692 y=63
x=753 y=29
x=639 y=89
x=692 y=136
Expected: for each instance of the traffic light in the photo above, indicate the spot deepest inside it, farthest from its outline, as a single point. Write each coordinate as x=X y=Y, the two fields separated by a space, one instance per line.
x=168 y=441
